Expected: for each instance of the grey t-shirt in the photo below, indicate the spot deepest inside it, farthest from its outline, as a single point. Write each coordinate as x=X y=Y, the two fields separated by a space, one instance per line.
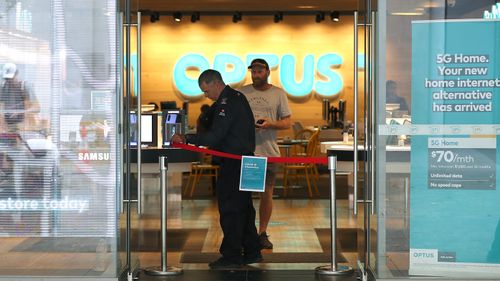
x=273 y=104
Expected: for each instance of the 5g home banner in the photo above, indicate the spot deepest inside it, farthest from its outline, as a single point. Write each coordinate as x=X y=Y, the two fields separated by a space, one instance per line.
x=455 y=226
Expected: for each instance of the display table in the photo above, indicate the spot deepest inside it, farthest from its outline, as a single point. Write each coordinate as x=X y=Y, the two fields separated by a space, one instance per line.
x=286 y=144
x=397 y=161
x=397 y=157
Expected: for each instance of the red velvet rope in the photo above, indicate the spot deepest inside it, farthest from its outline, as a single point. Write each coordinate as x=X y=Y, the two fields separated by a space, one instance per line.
x=289 y=160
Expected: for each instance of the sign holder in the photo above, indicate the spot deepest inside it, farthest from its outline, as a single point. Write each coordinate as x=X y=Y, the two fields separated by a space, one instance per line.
x=333 y=268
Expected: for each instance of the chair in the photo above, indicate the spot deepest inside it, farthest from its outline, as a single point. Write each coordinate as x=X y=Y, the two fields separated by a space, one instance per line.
x=204 y=168
x=307 y=170
x=304 y=134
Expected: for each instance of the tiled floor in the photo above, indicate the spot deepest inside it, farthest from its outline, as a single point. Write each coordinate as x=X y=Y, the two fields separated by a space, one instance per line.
x=292 y=230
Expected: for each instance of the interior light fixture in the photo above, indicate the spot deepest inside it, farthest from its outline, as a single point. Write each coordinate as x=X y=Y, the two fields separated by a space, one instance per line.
x=237 y=17
x=278 y=17
x=195 y=17
x=177 y=16
x=335 y=16
x=154 y=17
x=320 y=16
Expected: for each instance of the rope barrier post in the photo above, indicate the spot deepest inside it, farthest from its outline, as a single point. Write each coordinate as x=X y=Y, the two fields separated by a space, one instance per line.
x=164 y=269
x=333 y=268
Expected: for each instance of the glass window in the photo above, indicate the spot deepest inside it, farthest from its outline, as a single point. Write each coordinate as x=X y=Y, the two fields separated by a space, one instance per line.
x=58 y=142
x=439 y=91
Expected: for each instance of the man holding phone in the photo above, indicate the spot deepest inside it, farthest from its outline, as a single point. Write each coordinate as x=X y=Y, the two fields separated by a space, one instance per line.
x=270 y=108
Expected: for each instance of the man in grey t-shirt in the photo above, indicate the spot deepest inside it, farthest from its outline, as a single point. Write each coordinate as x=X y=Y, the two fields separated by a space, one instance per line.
x=269 y=105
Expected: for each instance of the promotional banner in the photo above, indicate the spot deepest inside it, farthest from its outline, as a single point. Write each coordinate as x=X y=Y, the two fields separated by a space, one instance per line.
x=454 y=213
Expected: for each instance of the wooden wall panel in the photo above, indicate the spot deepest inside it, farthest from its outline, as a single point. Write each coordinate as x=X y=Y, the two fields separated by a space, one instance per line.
x=165 y=42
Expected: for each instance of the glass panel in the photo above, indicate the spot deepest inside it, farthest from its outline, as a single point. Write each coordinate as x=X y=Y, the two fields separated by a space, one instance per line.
x=58 y=138
x=438 y=91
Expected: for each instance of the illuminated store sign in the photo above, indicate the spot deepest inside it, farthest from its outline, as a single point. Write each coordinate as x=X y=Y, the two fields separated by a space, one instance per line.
x=495 y=12
x=233 y=70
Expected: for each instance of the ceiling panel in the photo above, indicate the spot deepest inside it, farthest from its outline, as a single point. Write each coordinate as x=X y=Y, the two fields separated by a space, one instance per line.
x=245 y=5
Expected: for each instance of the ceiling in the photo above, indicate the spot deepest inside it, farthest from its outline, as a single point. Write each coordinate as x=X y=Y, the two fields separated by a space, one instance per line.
x=245 y=5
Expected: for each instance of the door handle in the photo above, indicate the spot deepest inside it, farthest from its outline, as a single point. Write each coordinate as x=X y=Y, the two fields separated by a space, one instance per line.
x=139 y=149
x=355 y=148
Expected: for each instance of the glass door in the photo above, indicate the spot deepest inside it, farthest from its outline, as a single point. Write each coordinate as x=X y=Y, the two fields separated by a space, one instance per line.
x=364 y=190
x=59 y=139
x=130 y=105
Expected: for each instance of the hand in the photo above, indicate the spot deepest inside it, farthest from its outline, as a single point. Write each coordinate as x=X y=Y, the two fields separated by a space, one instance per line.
x=263 y=123
x=178 y=138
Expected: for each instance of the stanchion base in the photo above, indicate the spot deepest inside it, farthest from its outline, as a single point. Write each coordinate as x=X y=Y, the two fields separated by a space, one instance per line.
x=157 y=271
x=340 y=270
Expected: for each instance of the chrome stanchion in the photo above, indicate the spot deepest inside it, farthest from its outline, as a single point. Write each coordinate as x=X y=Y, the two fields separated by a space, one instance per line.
x=164 y=269
x=333 y=268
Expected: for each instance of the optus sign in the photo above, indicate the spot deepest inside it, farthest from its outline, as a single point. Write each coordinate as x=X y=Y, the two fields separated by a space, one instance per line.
x=233 y=71
x=494 y=13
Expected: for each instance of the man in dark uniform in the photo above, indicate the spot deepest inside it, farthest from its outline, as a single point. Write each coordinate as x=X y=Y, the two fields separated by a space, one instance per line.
x=232 y=131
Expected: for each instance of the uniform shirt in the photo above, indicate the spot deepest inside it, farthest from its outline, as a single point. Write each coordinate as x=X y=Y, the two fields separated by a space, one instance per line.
x=232 y=128
x=273 y=104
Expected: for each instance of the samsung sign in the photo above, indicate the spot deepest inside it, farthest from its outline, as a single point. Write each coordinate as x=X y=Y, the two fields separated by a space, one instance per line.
x=234 y=69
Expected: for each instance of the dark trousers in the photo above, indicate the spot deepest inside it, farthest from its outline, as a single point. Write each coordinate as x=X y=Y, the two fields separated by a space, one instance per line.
x=237 y=214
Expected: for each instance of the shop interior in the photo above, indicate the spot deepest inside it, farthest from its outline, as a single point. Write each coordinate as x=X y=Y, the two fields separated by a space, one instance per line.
x=310 y=51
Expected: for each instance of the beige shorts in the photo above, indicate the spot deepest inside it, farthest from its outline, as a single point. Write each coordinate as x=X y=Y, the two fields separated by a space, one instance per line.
x=272 y=170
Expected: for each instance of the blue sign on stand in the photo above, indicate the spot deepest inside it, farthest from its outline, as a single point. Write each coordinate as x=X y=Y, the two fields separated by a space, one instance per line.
x=454 y=208
x=253 y=173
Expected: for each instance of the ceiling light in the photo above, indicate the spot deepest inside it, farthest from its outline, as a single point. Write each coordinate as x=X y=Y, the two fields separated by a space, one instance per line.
x=320 y=17
x=278 y=17
x=177 y=16
x=237 y=17
x=195 y=17
x=335 y=16
x=154 y=17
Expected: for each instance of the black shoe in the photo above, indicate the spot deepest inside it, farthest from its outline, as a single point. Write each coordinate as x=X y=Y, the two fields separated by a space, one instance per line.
x=252 y=259
x=264 y=241
x=223 y=263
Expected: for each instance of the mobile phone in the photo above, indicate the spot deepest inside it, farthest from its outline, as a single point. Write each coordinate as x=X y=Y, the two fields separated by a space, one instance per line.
x=260 y=121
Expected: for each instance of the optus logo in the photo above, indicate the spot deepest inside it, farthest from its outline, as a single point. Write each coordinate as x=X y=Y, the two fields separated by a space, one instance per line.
x=423 y=255
x=233 y=70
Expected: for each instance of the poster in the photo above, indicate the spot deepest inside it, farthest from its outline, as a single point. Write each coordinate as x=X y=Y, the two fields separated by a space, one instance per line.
x=253 y=173
x=455 y=197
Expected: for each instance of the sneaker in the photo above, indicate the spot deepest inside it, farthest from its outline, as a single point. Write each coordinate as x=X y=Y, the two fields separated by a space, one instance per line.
x=223 y=263
x=252 y=259
x=264 y=241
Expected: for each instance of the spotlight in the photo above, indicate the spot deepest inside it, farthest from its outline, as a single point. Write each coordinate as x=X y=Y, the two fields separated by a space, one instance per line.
x=335 y=16
x=155 y=16
x=195 y=17
x=320 y=17
x=237 y=17
x=177 y=16
x=278 y=17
